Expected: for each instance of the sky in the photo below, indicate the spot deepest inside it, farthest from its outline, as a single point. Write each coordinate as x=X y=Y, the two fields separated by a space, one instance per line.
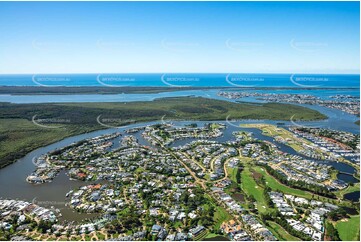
x=179 y=37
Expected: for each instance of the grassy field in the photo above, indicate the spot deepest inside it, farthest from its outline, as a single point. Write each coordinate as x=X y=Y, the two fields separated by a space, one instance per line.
x=349 y=230
x=211 y=235
x=214 y=237
x=232 y=174
x=19 y=135
x=275 y=185
x=283 y=134
x=250 y=187
x=220 y=215
x=280 y=232
x=354 y=188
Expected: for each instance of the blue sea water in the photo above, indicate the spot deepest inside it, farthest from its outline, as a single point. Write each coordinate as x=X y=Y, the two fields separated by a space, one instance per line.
x=184 y=80
x=207 y=93
x=328 y=85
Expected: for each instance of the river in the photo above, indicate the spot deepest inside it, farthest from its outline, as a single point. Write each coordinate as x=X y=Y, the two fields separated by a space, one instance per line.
x=12 y=177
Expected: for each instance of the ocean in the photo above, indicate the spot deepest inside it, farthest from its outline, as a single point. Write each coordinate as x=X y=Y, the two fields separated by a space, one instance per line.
x=185 y=80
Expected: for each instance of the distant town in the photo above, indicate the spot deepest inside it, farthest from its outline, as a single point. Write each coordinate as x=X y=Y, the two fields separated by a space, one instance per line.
x=346 y=103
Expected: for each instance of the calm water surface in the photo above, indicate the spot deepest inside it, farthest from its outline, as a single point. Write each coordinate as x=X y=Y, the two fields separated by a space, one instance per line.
x=12 y=177
x=353 y=196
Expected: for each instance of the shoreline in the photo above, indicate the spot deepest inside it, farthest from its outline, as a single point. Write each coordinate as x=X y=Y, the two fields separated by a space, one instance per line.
x=102 y=90
x=120 y=127
x=149 y=119
x=107 y=130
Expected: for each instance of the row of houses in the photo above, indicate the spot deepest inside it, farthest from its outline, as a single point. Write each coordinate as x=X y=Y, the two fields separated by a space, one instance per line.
x=333 y=145
x=234 y=231
x=313 y=223
x=258 y=230
x=20 y=210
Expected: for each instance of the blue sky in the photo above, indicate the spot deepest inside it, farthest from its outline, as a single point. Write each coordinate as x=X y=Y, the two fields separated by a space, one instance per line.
x=164 y=37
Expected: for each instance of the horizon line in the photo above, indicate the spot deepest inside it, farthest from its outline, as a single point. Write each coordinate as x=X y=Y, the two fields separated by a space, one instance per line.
x=162 y=73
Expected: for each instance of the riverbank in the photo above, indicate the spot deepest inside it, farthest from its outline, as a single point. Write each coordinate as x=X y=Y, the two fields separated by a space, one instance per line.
x=25 y=127
x=72 y=90
x=77 y=90
x=13 y=176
